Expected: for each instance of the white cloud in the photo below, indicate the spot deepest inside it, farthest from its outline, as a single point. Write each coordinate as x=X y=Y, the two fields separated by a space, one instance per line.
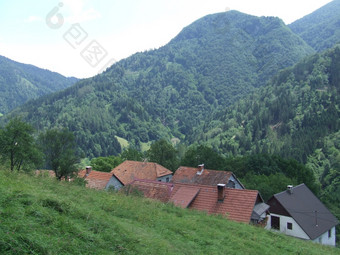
x=78 y=12
x=33 y=19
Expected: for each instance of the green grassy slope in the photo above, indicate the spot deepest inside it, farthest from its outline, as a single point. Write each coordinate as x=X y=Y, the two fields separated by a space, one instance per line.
x=41 y=216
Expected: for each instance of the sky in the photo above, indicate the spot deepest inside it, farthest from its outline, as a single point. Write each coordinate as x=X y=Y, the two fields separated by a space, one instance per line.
x=81 y=38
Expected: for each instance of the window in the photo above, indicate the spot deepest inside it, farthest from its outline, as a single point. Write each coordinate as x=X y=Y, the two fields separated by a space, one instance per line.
x=330 y=233
x=289 y=225
x=275 y=222
x=167 y=179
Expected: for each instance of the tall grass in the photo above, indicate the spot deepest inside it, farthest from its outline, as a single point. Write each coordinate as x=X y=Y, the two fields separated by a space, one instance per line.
x=39 y=215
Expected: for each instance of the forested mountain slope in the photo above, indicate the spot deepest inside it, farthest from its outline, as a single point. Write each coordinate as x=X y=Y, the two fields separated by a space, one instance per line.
x=166 y=92
x=320 y=29
x=289 y=116
x=20 y=83
x=296 y=116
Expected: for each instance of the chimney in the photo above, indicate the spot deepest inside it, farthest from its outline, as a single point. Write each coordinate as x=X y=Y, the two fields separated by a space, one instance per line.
x=290 y=189
x=88 y=170
x=220 y=192
x=200 y=169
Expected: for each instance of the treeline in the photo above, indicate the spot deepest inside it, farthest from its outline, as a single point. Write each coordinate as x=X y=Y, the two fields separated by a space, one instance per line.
x=22 y=150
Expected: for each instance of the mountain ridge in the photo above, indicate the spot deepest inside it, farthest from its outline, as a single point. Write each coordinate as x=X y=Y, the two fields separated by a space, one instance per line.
x=167 y=92
x=21 y=82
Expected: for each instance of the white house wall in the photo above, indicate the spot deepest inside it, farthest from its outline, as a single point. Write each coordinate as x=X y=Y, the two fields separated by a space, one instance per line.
x=237 y=183
x=163 y=178
x=297 y=231
x=114 y=182
x=323 y=239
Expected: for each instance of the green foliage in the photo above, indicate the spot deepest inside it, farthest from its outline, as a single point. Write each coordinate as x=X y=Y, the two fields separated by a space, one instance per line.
x=166 y=93
x=18 y=147
x=288 y=117
x=106 y=164
x=59 y=149
x=320 y=29
x=202 y=154
x=42 y=216
x=20 y=83
x=270 y=174
x=132 y=154
x=163 y=153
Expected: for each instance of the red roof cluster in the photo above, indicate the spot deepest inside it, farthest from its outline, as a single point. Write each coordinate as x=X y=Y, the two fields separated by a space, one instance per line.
x=207 y=177
x=129 y=170
x=237 y=205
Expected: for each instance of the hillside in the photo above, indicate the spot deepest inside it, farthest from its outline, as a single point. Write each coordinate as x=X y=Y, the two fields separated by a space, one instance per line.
x=320 y=29
x=20 y=83
x=167 y=92
x=42 y=216
x=297 y=115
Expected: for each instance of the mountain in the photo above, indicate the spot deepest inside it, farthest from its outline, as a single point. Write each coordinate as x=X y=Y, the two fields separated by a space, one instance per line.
x=320 y=29
x=42 y=216
x=290 y=116
x=297 y=115
x=20 y=83
x=167 y=92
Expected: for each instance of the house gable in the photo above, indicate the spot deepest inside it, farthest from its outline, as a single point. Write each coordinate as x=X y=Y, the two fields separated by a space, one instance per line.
x=306 y=209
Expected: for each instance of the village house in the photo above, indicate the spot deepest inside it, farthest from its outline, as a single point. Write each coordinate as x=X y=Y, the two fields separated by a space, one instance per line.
x=129 y=170
x=298 y=212
x=239 y=205
x=150 y=189
x=200 y=175
x=95 y=179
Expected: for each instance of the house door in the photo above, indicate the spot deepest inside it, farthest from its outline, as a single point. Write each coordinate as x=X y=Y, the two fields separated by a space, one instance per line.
x=275 y=222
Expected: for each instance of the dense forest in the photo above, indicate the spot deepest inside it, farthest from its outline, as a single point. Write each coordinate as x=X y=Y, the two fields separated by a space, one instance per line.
x=165 y=93
x=20 y=83
x=320 y=29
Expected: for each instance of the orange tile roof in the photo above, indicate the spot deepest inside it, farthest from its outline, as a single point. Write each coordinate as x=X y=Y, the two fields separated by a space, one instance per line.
x=237 y=205
x=151 y=189
x=129 y=170
x=96 y=179
x=208 y=177
x=184 y=196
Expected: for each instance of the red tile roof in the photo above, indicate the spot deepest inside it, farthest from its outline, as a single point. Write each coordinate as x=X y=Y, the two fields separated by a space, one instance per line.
x=96 y=179
x=208 y=177
x=151 y=189
x=184 y=196
x=129 y=170
x=237 y=205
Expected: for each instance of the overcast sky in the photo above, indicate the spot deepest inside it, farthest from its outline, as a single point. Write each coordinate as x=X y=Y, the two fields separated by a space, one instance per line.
x=81 y=37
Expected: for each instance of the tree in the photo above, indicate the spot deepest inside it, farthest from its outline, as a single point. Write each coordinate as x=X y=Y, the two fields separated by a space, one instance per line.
x=203 y=154
x=105 y=164
x=18 y=146
x=163 y=153
x=59 y=149
x=131 y=154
